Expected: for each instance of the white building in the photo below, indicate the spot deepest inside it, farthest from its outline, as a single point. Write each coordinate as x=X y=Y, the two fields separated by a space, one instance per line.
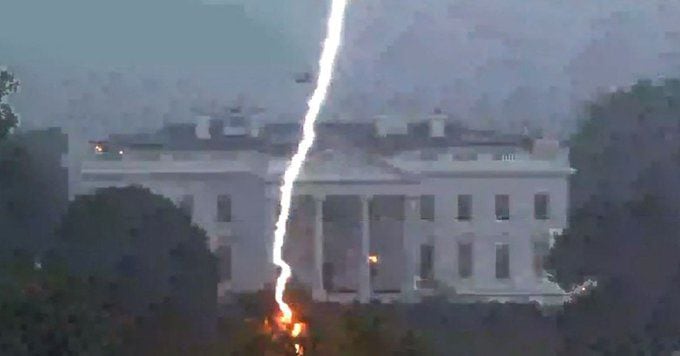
x=382 y=210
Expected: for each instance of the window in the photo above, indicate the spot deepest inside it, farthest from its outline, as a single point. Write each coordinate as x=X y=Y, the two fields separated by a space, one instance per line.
x=464 y=259
x=373 y=211
x=541 y=249
x=541 y=206
x=186 y=204
x=427 y=207
x=328 y=274
x=426 y=262
x=502 y=207
x=464 y=207
x=224 y=262
x=223 y=208
x=502 y=261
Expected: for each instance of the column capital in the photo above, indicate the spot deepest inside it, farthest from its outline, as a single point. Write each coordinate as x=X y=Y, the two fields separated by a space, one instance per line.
x=365 y=198
x=412 y=202
x=319 y=197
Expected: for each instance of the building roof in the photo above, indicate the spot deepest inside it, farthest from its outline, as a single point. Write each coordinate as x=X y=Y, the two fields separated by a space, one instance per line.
x=282 y=138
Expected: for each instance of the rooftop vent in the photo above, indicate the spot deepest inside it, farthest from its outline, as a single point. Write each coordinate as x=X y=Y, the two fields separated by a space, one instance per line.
x=203 y=127
x=437 y=124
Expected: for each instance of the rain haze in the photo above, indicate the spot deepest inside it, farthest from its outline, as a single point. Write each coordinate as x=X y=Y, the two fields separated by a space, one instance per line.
x=98 y=67
x=339 y=177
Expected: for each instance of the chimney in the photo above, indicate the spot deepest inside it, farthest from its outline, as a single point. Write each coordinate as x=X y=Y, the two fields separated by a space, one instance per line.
x=437 y=124
x=203 y=127
x=380 y=125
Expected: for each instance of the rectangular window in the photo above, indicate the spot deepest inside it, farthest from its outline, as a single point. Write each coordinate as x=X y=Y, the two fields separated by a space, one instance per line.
x=464 y=207
x=502 y=207
x=373 y=212
x=328 y=274
x=426 y=262
x=223 y=208
x=224 y=262
x=541 y=206
x=502 y=261
x=427 y=207
x=464 y=259
x=186 y=204
x=541 y=249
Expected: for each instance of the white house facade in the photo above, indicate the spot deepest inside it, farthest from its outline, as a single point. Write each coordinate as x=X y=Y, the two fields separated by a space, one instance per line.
x=382 y=210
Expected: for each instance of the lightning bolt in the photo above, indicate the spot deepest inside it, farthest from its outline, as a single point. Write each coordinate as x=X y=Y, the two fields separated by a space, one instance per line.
x=331 y=45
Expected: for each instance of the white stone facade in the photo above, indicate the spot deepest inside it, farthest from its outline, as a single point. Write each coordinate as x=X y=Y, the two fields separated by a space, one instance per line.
x=470 y=221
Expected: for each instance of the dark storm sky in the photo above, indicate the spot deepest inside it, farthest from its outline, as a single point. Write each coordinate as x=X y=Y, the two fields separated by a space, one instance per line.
x=98 y=66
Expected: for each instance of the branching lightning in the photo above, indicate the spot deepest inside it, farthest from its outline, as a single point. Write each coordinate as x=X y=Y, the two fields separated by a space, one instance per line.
x=326 y=65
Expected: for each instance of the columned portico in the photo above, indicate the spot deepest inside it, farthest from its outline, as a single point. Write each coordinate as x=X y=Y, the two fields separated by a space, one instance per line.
x=364 y=268
x=318 y=288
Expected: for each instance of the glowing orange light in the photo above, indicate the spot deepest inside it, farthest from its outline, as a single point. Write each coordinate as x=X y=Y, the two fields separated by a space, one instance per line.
x=283 y=326
x=99 y=148
x=373 y=259
x=297 y=329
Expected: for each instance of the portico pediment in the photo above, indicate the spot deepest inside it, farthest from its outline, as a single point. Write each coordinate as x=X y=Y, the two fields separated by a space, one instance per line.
x=336 y=166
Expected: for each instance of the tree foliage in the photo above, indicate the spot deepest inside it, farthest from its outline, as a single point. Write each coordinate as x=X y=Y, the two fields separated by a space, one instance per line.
x=148 y=256
x=46 y=312
x=8 y=119
x=624 y=217
x=33 y=190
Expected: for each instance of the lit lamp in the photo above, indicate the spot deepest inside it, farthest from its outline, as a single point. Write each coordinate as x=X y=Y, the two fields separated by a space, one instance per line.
x=373 y=265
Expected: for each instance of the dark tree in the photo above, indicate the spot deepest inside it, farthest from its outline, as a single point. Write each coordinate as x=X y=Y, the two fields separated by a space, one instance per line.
x=8 y=119
x=33 y=191
x=47 y=313
x=150 y=257
x=623 y=222
x=664 y=326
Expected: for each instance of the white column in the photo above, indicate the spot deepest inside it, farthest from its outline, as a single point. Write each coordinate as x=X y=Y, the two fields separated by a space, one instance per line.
x=271 y=204
x=364 y=268
x=318 y=289
x=410 y=247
